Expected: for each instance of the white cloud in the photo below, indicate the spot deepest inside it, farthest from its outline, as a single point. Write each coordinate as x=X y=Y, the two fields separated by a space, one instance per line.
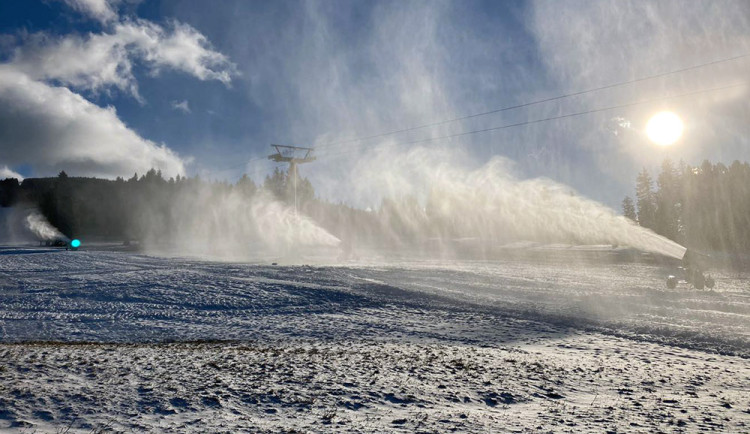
x=45 y=123
x=56 y=129
x=102 y=10
x=98 y=62
x=182 y=48
x=182 y=106
x=6 y=172
x=94 y=63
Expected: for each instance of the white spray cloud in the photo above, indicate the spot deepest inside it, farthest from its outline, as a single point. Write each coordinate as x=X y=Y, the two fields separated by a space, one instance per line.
x=41 y=228
x=230 y=225
x=431 y=195
x=279 y=225
x=6 y=172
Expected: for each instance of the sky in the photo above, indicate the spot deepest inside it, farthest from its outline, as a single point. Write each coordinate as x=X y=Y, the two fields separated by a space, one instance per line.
x=112 y=87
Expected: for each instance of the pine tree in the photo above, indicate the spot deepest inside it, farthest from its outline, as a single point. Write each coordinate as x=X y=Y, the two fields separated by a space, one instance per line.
x=277 y=184
x=668 y=201
x=645 y=200
x=628 y=208
x=246 y=186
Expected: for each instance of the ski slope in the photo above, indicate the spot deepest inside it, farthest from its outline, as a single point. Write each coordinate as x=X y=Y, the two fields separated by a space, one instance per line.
x=95 y=339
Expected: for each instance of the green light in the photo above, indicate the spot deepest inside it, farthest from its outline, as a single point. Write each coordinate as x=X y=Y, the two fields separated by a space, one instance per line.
x=75 y=243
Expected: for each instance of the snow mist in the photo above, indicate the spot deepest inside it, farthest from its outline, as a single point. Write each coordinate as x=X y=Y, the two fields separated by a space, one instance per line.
x=423 y=203
x=227 y=224
x=41 y=228
x=430 y=199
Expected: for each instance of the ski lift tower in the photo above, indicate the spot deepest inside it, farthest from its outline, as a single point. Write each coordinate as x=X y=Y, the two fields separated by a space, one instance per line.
x=293 y=155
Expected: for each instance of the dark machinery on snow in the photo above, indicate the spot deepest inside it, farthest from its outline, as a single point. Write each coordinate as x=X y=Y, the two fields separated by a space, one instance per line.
x=691 y=272
x=61 y=242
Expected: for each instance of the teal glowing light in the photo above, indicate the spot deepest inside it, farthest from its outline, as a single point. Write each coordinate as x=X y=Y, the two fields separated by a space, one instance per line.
x=75 y=243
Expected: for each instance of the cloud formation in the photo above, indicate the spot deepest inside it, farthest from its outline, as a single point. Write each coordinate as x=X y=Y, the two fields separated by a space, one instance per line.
x=56 y=129
x=101 y=10
x=97 y=62
x=44 y=120
x=182 y=106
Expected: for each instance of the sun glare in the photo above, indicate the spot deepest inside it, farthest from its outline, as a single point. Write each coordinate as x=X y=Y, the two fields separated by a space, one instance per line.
x=664 y=128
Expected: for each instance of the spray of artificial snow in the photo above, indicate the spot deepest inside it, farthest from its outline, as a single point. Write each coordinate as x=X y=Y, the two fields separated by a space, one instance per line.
x=230 y=225
x=41 y=228
x=429 y=196
x=429 y=204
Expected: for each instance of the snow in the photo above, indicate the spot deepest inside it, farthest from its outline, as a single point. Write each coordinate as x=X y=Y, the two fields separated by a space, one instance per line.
x=107 y=340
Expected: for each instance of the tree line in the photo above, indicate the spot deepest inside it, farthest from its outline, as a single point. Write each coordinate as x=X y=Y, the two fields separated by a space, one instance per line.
x=705 y=207
x=116 y=209
x=150 y=207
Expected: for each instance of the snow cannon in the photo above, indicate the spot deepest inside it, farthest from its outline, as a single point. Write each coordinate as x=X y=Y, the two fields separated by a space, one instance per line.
x=55 y=242
x=74 y=244
x=696 y=260
x=691 y=272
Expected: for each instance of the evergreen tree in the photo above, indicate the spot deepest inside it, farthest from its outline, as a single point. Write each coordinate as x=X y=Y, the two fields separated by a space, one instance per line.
x=276 y=184
x=668 y=202
x=645 y=200
x=9 y=191
x=246 y=186
x=628 y=208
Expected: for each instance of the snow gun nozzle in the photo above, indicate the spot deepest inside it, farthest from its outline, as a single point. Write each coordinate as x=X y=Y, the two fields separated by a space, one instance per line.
x=693 y=259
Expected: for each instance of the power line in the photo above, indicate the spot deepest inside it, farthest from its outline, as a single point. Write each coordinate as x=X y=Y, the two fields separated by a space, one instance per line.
x=541 y=101
x=569 y=115
x=503 y=109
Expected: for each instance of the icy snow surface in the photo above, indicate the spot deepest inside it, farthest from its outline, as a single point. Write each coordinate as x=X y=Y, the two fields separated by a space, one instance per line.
x=103 y=340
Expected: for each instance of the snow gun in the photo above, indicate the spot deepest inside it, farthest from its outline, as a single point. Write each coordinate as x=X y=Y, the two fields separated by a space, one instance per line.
x=74 y=244
x=691 y=271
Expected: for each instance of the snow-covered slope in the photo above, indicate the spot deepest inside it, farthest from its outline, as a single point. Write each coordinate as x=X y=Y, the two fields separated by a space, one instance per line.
x=134 y=342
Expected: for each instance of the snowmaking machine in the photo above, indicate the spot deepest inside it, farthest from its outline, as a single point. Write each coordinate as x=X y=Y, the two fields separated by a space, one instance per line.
x=74 y=244
x=62 y=242
x=691 y=272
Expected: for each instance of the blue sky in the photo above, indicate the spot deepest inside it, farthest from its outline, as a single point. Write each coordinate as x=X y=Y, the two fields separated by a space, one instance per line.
x=111 y=87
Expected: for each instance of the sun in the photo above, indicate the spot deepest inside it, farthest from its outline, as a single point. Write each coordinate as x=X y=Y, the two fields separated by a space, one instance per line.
x=664 y=128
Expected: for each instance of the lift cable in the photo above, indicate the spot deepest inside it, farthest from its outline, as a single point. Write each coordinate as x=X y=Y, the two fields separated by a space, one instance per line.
x=503 y=109
x=541 y=101
x=569 y=115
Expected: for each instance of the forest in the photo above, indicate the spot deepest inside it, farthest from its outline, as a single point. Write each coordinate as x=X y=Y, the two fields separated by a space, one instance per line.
x=705 y=207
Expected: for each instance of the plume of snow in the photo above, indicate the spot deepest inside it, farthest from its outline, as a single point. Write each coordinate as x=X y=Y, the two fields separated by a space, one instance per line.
x=7 y=172
x=41 y=228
